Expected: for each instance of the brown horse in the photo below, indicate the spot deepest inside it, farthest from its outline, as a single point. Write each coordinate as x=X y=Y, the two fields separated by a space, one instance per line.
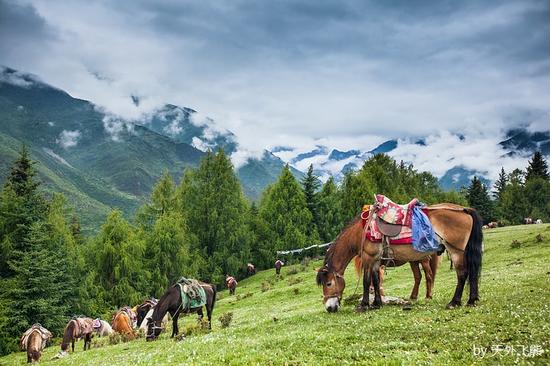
x=250 y=269
x=76 y=329
x=33 y=341
x=429 y=266
x=171 y=302
x=231 y=284
x=459 y=229
x=278 y=264
x=122 y=323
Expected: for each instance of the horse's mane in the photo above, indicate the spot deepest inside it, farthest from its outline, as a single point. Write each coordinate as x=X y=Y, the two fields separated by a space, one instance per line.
x=68 y=334
x=329 y=256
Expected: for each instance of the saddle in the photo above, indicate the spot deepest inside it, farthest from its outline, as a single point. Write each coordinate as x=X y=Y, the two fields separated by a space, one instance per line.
x=192 y=293
x=44 y=334
x=85 y=325
x=392 y=217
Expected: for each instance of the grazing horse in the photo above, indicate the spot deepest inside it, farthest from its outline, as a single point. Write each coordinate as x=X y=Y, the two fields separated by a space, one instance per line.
x=76 y=329
x=278 y=266
x=122 y=323
x=102 y=328
x=527 y=221
x=459 y=229
x=429 y=266
x=250 y=269
x=33 y=341
x=171 y=302
x=231 y=284
x=145 y=311
x=492 y=225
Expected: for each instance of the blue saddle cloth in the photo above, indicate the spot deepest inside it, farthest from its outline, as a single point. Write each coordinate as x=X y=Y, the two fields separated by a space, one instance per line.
x=424 y=239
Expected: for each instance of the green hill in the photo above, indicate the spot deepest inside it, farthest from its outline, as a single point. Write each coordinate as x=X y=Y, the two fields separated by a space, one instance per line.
x=282 y=321
x=100 y=161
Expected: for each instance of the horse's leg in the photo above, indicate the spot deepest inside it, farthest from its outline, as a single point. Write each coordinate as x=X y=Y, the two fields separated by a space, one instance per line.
x=72 y=345
x=429 y=277
x=377 y=303
x=200 y=314
x=461 y=276
x=417 y=279
x=381 y=276
x=175 y=324
x=366 y=288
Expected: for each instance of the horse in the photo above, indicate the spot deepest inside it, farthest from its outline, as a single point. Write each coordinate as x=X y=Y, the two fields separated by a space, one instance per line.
x=76 y=329
x=278 y=264
x=527 y=220
x=145 y=311
x=122 y=323
x=231 y=284
x=250 y=269
x=171 y=302
x=102 y=328
x=33 y=341
x=539 y=221
x=429 y=266
x=492 y=225
x=459 y=229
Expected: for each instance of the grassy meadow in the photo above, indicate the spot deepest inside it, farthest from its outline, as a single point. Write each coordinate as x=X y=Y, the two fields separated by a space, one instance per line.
x=282 y=321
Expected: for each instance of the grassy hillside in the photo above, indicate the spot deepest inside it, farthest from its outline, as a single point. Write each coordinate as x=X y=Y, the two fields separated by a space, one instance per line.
x=285 y=323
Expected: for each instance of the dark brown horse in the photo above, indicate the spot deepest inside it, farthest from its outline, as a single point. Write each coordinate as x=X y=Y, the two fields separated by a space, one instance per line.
x=171 y=303
x=33 y=341
x=231 y=284
x=250 y=269
x=76 y=329
x=460 y=231
x=278 y=264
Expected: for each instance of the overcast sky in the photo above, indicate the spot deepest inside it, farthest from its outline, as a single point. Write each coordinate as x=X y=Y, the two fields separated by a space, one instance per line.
x=346 y=73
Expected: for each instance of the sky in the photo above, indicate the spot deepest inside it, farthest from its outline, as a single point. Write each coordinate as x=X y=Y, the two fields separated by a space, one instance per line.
x=346 y=74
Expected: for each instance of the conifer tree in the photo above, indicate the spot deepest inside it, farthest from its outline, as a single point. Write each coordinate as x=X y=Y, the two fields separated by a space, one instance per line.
x=330 y=223
x=478 y=198
x=514 y=206
x=538 y=168
x=500 y=184
x=310 y=186
x=217 y=215
x=285 y=210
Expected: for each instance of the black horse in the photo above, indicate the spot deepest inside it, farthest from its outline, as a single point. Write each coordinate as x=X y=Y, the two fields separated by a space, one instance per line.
x=171 y=302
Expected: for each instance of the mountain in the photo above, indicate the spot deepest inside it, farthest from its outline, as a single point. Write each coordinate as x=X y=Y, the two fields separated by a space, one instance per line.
x=520 y=141
x=458 y=177
x=100 y=161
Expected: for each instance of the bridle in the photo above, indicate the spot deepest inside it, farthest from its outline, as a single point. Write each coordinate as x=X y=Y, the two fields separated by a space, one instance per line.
x=339 y=297
x=152 y=327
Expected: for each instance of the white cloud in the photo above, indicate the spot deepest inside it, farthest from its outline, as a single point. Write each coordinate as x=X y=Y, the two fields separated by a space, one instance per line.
x=68 y=138
x=115 y=126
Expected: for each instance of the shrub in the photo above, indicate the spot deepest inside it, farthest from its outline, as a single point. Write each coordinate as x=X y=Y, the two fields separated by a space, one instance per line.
x=295 y=280
x=515 y=244
x=265 y=286
x=296 y=290
x=539 y=238
x=225 y=319
x=292 y=271
x=199 y=327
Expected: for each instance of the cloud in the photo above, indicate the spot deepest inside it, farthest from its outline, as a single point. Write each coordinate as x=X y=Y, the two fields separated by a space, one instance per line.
x=115 y=126
x=68 y=138
x=444 y=150
x=294 y=71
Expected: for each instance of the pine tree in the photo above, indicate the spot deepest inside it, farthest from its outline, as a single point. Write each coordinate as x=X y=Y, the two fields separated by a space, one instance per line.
x=330 y=222
x=500 y=184
x=538 y=168
x=310 y=186
x=21 y=204
x=514 y=206
x=285 y=210
x=212 y=200
x=478 y=198
x=262 y=252
x=163 y=200
x=119 y=261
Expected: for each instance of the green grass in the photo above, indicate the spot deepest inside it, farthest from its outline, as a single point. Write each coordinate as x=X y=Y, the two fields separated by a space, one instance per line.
x=282 y=325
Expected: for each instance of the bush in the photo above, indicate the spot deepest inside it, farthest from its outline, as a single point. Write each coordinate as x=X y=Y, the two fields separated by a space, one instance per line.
x=295 y=280
x=200 y=327
x=296 y=290
x=265 y=286
x=515 y=244
x=116 y=338
x=225 y=319
x=539 y=238
x=292 y=271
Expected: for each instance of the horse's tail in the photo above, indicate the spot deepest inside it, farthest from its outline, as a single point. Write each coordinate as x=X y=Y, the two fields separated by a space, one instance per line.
x=474 y=251
x=214 y=292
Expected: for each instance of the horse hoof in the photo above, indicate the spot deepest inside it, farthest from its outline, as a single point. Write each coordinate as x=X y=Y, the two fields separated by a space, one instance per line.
x=471 y=303
x=361 y=308
x=453 y=305
x=375 y=306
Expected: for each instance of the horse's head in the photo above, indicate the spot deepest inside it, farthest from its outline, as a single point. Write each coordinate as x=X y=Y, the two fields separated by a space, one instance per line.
x=153 y=329
x=333 y=287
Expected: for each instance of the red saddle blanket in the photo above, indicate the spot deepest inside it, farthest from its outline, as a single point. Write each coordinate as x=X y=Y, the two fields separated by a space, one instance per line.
x=374 y=235
x=392 y=213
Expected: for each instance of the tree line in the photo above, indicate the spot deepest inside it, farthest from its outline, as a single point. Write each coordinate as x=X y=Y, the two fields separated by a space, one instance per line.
x=201 y=227
x=516 y=195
